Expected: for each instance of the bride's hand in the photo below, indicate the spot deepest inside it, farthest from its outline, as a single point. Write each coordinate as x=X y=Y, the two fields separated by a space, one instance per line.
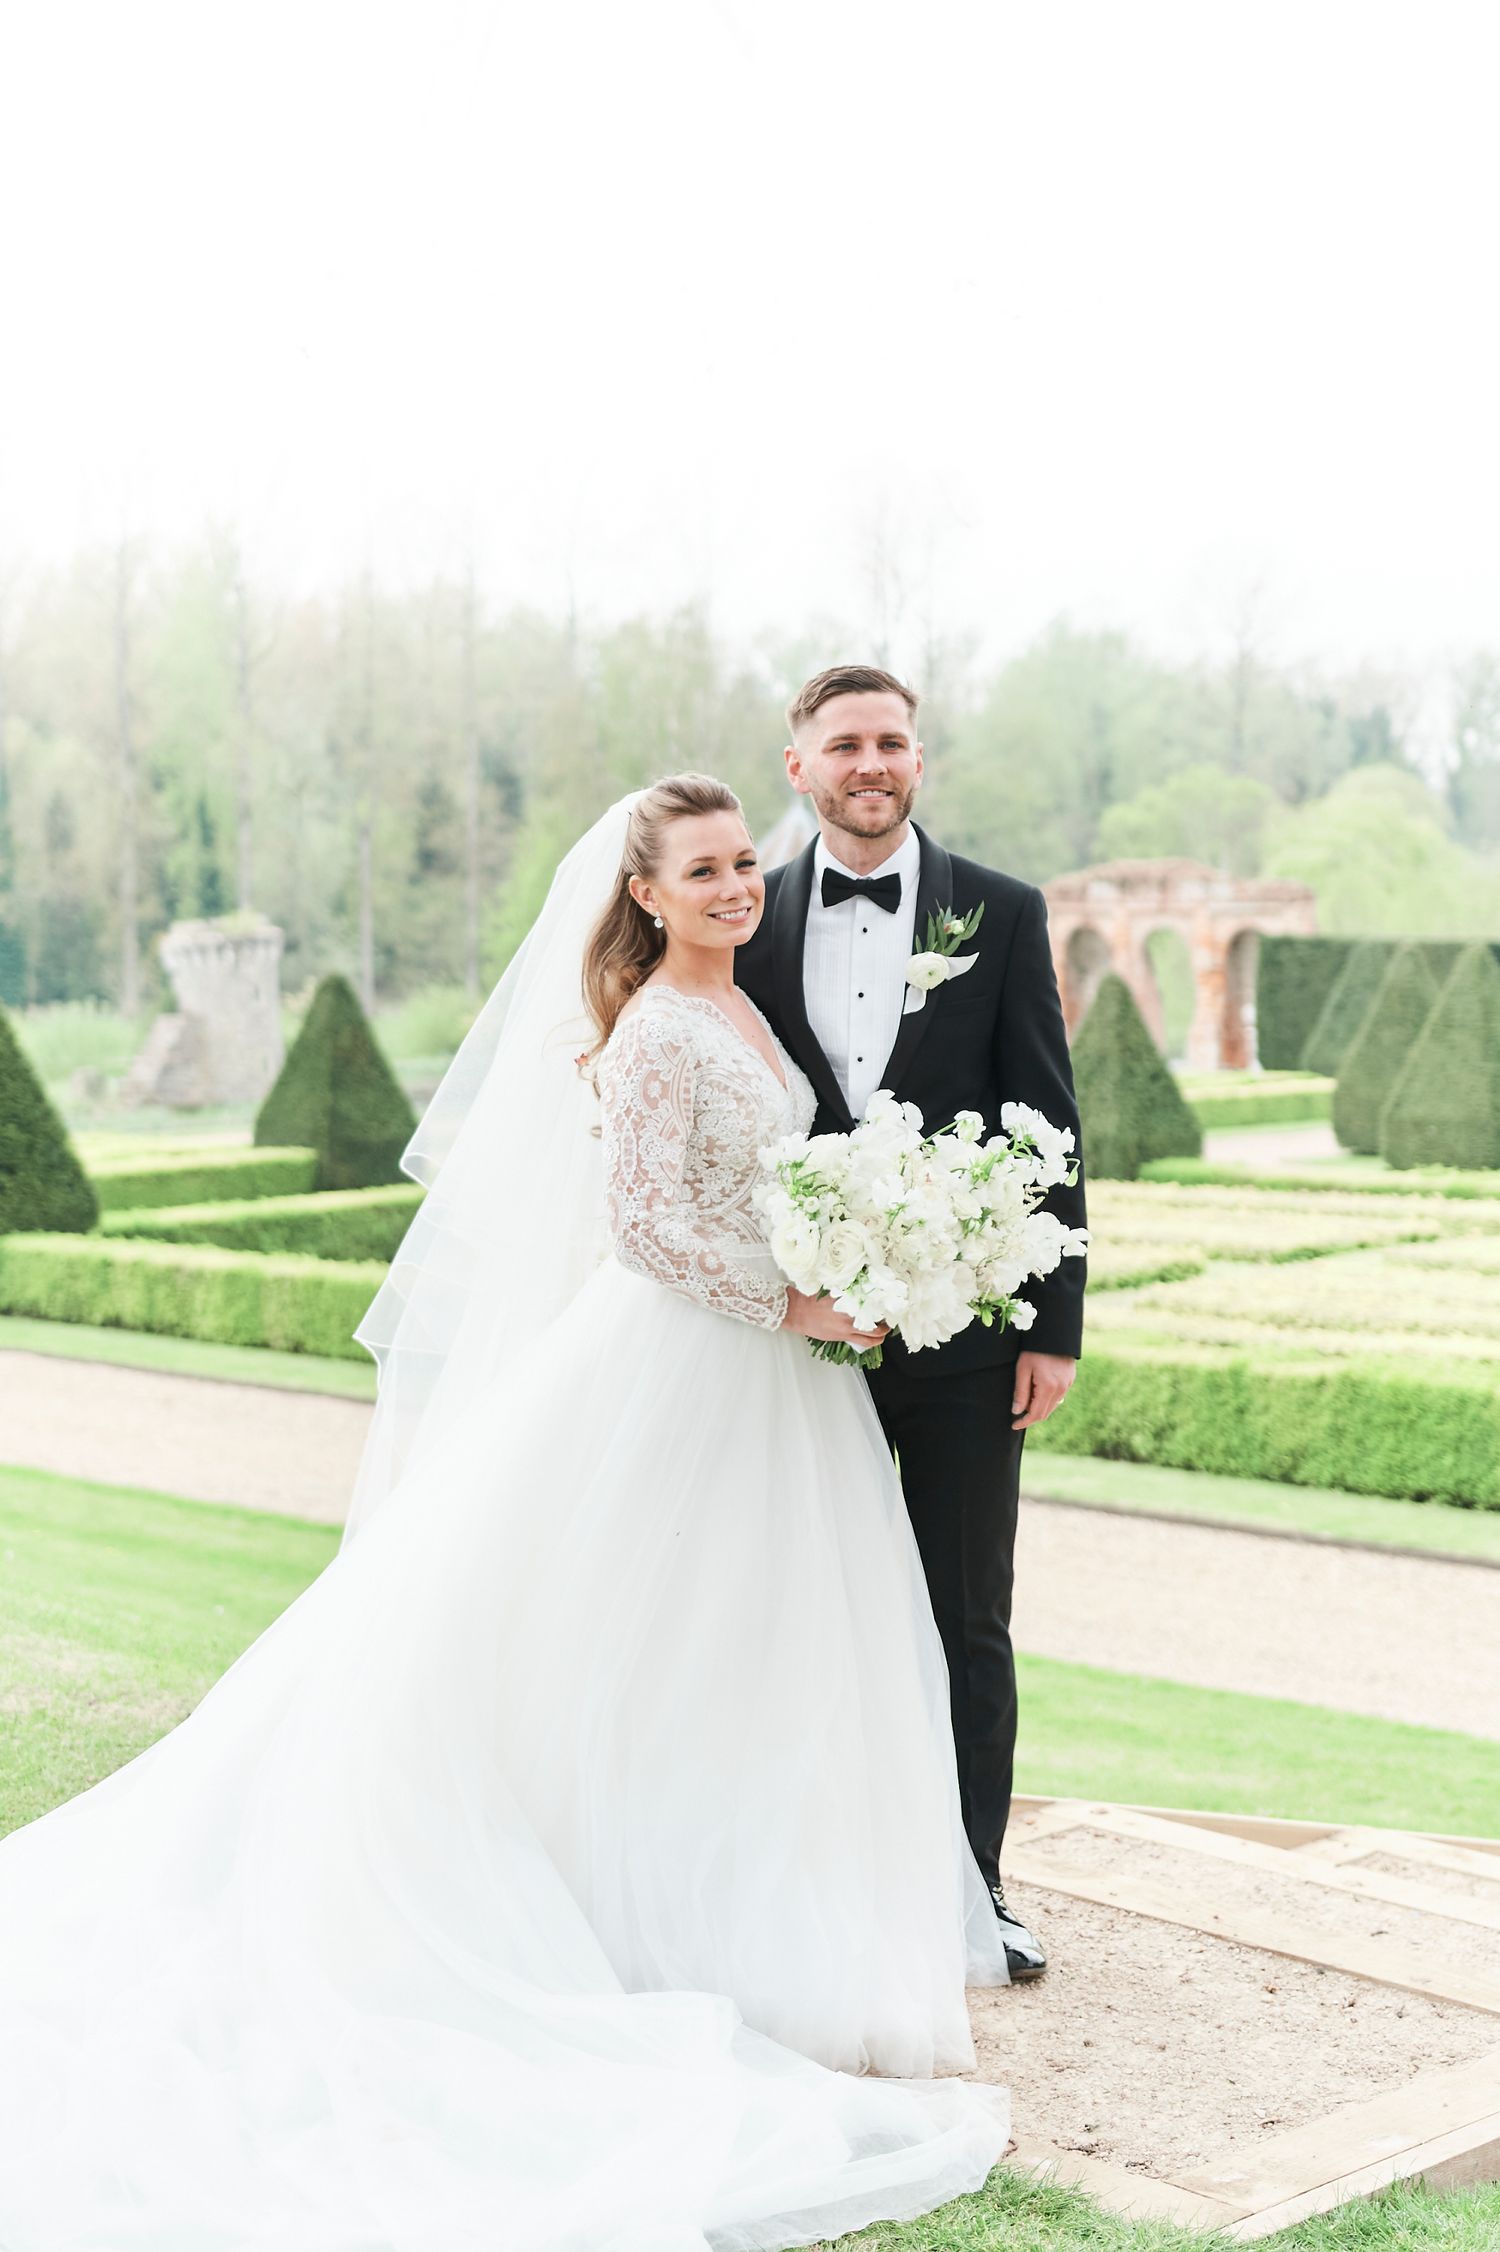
x=818 y=1317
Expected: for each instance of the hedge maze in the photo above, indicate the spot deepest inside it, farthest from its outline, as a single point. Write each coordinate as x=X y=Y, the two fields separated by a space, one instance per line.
x=1339 y=1328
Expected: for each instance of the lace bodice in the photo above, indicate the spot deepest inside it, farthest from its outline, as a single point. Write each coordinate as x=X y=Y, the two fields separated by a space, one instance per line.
x=688 y=1105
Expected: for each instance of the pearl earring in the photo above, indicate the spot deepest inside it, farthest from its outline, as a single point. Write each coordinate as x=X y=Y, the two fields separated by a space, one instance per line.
x=658 y=921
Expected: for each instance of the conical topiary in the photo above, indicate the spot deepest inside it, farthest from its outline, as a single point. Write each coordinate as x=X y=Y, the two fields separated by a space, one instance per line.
x=42 y=1184
x=1347 y=1004
x=1377 y=1054
x=337 y=1094
x=1130 y=1106
x=1444 y=1108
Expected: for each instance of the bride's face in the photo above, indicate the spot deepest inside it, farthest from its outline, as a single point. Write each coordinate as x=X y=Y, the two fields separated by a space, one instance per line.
x=708 y=890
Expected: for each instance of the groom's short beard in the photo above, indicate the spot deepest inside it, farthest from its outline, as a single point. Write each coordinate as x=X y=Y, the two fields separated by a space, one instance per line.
x=835 y=810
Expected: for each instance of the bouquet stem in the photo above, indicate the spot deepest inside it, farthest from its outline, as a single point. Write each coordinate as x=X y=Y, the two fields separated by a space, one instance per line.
x=833 y=1349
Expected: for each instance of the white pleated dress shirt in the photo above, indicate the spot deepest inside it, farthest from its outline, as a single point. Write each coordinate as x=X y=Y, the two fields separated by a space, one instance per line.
x=854 y=971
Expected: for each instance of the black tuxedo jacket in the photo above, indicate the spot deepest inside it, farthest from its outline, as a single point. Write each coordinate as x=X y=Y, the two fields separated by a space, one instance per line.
x=994 y=1035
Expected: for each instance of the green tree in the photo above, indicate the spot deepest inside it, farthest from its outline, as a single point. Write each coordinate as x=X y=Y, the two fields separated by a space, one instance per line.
x=1375 y=852
x=1074 y=723
x=1200 y=814
x=1474 y=777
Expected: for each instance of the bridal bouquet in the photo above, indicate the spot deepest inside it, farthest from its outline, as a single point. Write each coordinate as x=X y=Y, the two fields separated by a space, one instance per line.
x=924 y=1233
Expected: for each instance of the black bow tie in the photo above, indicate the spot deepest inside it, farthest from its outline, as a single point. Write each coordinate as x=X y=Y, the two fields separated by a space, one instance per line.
x=881 y=891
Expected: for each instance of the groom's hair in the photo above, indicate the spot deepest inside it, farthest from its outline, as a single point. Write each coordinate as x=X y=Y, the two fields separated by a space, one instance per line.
x=846 y=680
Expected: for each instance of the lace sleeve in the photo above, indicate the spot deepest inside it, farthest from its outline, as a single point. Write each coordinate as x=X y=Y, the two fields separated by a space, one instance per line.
x=665 y=1221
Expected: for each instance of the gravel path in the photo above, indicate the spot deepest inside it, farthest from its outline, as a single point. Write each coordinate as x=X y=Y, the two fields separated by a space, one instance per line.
x=1269 y=1148
x=291 y=1452
x=1399 y=1637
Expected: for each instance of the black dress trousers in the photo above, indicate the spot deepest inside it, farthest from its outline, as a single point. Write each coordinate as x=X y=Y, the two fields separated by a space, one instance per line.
x=960 y=1465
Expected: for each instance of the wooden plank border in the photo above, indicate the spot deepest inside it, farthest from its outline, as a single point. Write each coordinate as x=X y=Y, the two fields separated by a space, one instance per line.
x=1307 y=1866
x=1273 y=1935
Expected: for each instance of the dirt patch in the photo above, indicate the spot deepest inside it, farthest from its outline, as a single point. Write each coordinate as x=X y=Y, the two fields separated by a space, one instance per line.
x=1418 y=1941
x=1159 y=2049
x=1459 y=1884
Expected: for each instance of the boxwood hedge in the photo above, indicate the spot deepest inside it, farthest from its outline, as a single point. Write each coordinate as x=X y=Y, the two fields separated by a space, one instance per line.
x=128 y=1183
x=333 y=1224
x=285 y=1300
x=1444 y=1107
x=1293 y=977
x=1410 y=1431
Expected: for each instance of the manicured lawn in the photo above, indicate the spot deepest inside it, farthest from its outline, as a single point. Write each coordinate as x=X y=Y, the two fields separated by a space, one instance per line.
x=119 y=1608
x=1257 y=1504
x=1089 y=1733
x=1014 y=2215
x=117 y=1611
x=189 y=1356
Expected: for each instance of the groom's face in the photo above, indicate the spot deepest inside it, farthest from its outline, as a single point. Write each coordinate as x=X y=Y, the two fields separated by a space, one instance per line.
x=859 y=761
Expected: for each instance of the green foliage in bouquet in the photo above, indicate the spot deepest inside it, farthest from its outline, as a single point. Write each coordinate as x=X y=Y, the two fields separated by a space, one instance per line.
x=42 y=1184
x=336 y=1094
x=1128 y=1101
x=1444 y=1108
x=1347 y=1005
x=1293 y=977
x=1377 y=1054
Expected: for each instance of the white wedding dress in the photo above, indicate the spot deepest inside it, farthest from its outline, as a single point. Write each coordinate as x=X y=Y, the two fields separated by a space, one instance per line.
x=564 y=1869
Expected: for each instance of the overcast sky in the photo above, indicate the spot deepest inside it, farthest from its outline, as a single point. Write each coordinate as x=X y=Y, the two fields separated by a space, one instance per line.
x=1115 y=310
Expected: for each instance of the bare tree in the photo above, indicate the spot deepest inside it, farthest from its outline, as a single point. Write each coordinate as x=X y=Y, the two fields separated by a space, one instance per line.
x=364 y=745
x=123 y=579
x=886 y=581
x=468 y=704
x=248 y=650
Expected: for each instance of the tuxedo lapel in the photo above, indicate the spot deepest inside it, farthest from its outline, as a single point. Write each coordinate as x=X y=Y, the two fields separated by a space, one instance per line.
x=934 y=890
x=788 y=936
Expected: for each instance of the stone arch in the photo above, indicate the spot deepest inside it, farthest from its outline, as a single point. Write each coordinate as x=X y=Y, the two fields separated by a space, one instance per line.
x=1237 y=1034
x=1119 y=905
x=1085 y=961
x=1167 y=963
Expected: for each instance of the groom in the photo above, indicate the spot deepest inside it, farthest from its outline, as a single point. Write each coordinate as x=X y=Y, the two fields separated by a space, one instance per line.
x=828 y=967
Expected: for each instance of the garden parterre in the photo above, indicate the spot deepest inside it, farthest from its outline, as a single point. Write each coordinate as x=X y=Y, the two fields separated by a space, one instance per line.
x=1343 y=1334
x=1323 y=1331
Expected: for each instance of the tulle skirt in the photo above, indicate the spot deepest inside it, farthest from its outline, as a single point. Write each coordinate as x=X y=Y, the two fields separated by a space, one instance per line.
x=576 y=1866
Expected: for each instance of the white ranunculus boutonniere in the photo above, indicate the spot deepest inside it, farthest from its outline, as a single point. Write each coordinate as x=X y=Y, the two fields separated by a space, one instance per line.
x=937 y=961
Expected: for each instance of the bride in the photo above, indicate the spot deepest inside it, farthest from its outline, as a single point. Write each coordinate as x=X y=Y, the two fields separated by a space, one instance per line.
x=577 y=1865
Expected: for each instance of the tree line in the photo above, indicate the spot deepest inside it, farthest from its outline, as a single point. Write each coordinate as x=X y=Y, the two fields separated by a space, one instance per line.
x=391 y=777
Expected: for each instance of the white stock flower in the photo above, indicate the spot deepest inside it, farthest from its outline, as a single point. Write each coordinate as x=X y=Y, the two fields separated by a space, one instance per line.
x=795 y=1246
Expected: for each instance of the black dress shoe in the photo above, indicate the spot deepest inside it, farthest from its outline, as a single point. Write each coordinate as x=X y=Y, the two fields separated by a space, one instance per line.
x=1023 y=1955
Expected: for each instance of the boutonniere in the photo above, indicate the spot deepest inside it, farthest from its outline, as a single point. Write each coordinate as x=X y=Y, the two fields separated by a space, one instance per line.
x=939 y=959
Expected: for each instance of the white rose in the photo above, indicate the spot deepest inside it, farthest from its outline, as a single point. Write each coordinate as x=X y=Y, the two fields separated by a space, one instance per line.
x=845 y=1250
x=924 y=971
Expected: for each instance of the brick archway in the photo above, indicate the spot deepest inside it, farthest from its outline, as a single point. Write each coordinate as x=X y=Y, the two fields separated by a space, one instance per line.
x=1102 y=917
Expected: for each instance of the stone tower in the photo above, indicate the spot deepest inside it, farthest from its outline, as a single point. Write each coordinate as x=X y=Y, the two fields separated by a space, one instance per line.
x=223 y=1043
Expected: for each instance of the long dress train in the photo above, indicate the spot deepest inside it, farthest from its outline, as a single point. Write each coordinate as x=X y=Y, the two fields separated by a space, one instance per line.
x=564 y=1867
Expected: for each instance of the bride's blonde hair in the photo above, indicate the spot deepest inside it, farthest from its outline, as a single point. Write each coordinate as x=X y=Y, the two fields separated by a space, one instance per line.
x=625 y=945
